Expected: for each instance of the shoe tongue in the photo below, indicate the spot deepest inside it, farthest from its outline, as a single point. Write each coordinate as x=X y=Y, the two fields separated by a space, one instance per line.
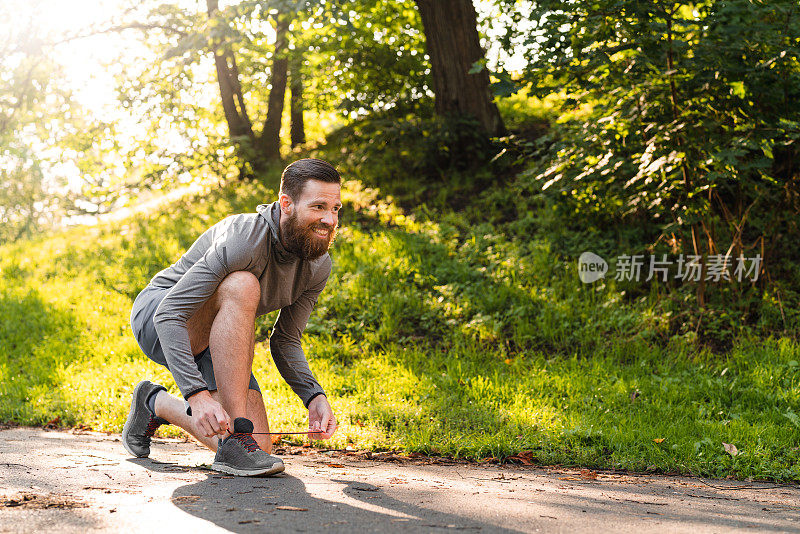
x=242 y=425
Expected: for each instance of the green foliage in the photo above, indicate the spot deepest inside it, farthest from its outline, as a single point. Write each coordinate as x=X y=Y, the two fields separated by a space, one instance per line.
x=681 y=127
x=25 y=202
x=30 y=100
x=176 y=97
x=527 y=114
x=684 y=116
x=417 y=157
x=492 y=345
x=49 y=147
x=353 y=57
x=364 y=55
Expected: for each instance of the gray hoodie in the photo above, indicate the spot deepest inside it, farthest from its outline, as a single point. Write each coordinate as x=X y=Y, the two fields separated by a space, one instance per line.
x=246 y=242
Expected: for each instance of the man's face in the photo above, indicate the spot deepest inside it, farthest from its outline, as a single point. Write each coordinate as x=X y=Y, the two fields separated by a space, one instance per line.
x=308 y=224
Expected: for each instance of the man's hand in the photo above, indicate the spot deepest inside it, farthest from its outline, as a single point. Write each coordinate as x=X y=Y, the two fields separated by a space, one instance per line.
x=320 y=418
x=210 y=416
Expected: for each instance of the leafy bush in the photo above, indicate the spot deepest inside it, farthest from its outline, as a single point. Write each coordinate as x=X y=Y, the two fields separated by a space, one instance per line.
x=686 y=119
x=416 y=157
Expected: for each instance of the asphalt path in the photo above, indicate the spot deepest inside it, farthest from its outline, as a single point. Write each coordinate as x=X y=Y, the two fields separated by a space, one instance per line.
x=57 y=481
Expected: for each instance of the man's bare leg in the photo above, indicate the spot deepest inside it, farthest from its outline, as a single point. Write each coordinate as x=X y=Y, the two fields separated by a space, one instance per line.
x=226 y=324
x=231 y=339
x=173 y=410
x=257 y=413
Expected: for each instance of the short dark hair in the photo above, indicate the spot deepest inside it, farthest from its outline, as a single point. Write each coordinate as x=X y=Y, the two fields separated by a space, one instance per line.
x=297 y=173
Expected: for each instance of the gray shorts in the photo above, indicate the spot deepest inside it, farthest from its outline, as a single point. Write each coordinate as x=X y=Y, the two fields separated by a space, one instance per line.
x=144 y=308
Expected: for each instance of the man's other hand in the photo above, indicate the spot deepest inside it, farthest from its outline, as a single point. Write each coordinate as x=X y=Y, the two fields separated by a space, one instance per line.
x=209 y=415
x=320 y=418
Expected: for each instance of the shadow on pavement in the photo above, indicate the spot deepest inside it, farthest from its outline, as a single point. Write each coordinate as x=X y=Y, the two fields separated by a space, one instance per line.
x=341 y=504
x=287 y=503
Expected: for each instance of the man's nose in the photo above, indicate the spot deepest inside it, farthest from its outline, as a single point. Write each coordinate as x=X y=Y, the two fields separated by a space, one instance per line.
x=329 y=218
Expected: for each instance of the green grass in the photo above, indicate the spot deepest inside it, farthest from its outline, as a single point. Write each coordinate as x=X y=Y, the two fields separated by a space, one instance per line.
x=440 y=337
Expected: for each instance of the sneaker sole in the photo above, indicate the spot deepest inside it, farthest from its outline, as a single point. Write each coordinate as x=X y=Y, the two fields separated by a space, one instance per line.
x=264 y=471
x=126 y=426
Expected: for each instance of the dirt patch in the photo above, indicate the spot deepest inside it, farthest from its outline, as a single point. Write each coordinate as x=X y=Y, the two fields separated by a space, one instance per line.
x=33 y=500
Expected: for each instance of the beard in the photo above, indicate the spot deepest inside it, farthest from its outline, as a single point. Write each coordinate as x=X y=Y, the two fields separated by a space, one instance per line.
x=302 y=240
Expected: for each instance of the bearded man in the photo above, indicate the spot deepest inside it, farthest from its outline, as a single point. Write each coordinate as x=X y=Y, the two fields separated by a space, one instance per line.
x=197 y=318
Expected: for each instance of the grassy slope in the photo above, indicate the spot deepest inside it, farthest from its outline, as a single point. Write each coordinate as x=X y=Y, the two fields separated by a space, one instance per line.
x=433 y=337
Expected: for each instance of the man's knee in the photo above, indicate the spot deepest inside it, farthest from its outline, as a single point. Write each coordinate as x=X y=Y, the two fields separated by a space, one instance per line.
x=241 y=288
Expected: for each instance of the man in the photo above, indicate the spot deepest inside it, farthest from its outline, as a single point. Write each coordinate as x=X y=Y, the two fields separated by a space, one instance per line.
x=197 y=318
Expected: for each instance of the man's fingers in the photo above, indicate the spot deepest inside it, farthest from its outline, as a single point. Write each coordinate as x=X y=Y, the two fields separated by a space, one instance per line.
x=323 y=425
x=205 y=428
x=212 y=421
x=222 y=422
x=225 y=420
x=314 y=428
x=331 y=428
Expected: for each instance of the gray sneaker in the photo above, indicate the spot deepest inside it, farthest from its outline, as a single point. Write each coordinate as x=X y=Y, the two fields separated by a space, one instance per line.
x=141 y=423
x=239 y=454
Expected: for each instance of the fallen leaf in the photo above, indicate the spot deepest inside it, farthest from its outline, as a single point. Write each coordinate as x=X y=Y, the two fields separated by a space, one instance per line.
x=588 y=474
x=658 y=440
x=276 y=438
x=730 y=449
x=53 y=423
x=292 y=508
x=335 y=465
x=525 y=457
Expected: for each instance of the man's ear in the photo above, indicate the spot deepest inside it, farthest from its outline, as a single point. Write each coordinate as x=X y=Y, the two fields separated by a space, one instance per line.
x=286 y=203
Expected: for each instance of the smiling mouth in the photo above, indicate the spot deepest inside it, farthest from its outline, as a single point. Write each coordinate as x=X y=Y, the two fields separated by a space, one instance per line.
x=322 y=232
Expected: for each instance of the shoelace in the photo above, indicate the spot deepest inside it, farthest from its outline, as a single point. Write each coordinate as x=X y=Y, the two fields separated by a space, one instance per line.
x=246 y=440
x=154 y=423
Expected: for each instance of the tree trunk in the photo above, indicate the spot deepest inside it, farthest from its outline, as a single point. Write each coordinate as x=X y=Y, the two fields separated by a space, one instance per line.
x=269 y=143
x=451 y=38
x=231 y=92
x=298 y=131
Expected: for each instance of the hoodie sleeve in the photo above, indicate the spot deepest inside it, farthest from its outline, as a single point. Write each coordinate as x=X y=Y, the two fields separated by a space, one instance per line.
x=284 y=343
x=233 y=250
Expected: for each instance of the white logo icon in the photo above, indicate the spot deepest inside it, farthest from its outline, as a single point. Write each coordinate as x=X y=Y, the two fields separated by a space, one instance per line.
x=591 y=267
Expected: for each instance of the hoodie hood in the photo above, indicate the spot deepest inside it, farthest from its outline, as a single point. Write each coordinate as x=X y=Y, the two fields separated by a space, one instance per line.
x=272 y=214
